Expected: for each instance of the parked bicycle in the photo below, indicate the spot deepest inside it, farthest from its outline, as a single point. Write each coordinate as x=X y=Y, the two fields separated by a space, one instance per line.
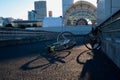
x=66 y=40
x=92 y=40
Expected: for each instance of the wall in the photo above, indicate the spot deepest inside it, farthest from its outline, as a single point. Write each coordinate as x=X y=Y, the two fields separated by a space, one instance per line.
x=111 y=41
x=106 y=8
x=66 y=4
x=52 y=22
x=78 y=30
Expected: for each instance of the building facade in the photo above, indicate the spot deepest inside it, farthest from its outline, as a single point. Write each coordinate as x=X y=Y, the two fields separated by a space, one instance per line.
x=26 y=23
x=6 y=21
x=1 y=21
x=66 y=4
x=80 y=11
x=40 y=8
x=31 y=15
x=106 y=8
x=52 y=22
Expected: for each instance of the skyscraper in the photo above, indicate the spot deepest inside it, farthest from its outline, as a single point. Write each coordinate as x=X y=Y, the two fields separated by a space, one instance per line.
x=40 y=8
x=31 y=15
x=66 y=4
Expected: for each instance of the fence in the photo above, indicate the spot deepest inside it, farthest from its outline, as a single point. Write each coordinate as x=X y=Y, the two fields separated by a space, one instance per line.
x=111 y=41
x=12 y=33
x=12 y=36
x=77 y=30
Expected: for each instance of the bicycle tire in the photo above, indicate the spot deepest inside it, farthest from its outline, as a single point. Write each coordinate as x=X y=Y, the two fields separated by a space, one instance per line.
x=91 y=42
x=66 y=36
x=84 y=56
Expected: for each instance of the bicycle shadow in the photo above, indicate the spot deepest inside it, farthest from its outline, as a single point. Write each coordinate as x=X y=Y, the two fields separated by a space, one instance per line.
x=47 y=59
x=99 y=68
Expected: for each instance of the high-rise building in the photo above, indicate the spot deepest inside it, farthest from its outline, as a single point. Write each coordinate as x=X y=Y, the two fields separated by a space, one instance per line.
x=106 y=8
x=66 y=4
x=1 y=21
x=31 y=15
x=40 y=8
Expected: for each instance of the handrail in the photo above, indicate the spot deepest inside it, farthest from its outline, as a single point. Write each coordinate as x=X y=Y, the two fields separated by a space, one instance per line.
x=18 y=29
x=118 y=19
x=22 y=32
x=14 y=34
x=111 y=30
x=116 y=30
x=112 y=18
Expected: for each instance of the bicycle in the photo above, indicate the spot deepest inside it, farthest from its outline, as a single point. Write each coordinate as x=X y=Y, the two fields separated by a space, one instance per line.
x=66 y=40
x=92 y=40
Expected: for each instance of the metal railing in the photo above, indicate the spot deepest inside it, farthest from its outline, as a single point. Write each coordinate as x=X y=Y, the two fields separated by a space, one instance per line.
x=111 y=31
x=14 y=33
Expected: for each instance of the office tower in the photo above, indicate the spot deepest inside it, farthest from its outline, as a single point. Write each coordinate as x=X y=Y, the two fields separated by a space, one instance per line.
x=31 y=15
x=66 y=4
x=40 y=8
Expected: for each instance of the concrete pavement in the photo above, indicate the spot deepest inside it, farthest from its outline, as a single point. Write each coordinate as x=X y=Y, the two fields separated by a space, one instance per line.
x=33 y=62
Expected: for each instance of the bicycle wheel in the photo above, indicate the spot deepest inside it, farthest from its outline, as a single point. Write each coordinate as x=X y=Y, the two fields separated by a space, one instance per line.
x=67 y=39
x=65 y=35
x=91 y=42
x=84 y=56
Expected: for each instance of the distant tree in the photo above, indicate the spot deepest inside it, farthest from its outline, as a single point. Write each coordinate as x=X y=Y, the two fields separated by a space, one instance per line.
x=22 y=26
x=34 y=25
x=8 y=25
x=27 y=25
x=40 y=26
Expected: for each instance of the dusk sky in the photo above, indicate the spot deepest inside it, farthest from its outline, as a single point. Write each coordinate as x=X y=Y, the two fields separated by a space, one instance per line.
x=20 y=8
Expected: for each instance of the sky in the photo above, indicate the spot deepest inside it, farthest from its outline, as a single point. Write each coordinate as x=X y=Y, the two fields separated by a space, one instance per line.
x=19 y=8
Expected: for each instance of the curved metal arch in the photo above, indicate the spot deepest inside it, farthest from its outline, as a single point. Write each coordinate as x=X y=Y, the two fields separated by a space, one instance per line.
x=83 y=11
x=80 y=9
x=78 y=17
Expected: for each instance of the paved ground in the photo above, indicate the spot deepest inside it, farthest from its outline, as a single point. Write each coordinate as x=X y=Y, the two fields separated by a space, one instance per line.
x=32 y=62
